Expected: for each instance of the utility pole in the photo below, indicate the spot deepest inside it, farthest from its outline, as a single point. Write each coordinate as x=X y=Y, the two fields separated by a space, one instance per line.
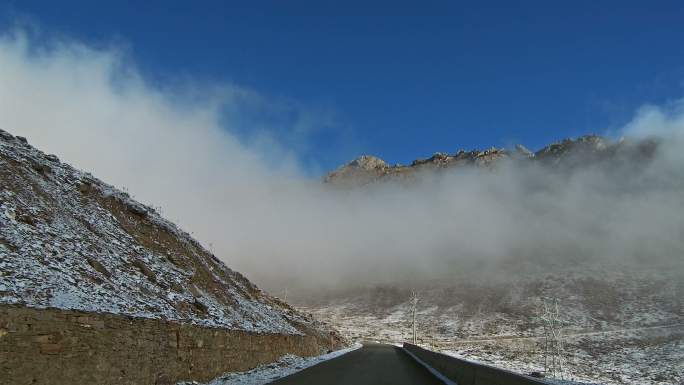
x=414 y=303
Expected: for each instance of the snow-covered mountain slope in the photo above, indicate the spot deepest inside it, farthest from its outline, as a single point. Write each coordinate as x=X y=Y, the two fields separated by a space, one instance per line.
x=70 y=241
x=463 y=309
x=642 y=288
x=617 y=328
x=621 y=300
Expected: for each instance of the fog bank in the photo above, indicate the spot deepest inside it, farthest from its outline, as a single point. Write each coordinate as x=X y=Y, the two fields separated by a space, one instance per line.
x=255 y=207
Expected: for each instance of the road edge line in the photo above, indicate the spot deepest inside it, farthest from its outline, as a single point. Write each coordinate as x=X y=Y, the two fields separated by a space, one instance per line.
x=432 y=370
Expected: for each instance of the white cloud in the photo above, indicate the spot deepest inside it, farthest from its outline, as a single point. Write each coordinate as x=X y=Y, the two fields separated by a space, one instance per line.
x=267 y=219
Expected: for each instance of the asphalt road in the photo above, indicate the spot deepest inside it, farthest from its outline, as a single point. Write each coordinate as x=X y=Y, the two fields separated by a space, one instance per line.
x=373 y=364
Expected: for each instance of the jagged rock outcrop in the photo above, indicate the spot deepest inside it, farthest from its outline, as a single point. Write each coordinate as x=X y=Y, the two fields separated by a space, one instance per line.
x=362 y=170
x=367 y=169
x=369 y=163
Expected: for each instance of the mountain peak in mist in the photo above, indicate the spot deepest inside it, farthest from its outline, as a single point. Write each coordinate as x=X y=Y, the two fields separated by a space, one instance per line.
x=569 y=152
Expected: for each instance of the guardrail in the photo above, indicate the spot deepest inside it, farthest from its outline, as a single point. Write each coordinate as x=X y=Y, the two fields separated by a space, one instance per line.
x=469 y=373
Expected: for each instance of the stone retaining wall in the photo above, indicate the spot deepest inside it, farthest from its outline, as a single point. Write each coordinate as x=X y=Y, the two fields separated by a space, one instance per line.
x=59 y=347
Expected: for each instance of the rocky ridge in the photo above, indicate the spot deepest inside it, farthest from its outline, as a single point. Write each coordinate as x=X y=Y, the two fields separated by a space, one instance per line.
x=568 y=152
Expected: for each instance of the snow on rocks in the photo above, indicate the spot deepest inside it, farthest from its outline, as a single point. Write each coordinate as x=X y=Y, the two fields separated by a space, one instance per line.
x=70 y=241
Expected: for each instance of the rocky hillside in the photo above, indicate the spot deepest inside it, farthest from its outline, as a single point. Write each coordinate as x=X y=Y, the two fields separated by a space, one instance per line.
x=71 y=241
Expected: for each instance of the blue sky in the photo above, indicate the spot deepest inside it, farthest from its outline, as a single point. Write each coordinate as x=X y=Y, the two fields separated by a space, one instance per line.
x=402 y=80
